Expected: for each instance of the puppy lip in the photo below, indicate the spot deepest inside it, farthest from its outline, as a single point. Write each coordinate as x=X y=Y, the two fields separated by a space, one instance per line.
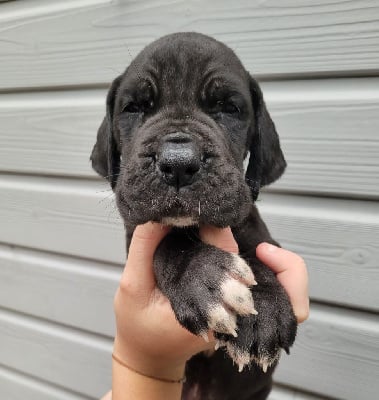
x=180 y=222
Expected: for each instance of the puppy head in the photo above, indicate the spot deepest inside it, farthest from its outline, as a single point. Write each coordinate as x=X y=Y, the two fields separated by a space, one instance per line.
x=180 y=121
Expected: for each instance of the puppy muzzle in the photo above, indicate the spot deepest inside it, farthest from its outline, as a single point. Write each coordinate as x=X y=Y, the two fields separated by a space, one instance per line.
x=178 y=160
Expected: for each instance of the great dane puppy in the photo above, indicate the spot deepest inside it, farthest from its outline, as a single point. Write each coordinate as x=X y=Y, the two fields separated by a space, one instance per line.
x=179 y=123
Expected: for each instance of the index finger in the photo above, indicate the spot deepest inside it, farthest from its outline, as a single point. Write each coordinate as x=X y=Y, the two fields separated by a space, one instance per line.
x=219 y=237
x=138 y=270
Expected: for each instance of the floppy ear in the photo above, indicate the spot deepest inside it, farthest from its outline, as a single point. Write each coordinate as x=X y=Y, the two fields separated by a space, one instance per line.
x=266 y=162
x=105 y=155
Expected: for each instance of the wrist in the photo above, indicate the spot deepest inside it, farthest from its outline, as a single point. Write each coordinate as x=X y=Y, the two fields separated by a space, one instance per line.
x=149 y=364
x=127 y=384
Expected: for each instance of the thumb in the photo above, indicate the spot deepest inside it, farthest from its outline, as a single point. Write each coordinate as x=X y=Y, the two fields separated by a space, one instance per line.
x=291 y=271
x=138 y=271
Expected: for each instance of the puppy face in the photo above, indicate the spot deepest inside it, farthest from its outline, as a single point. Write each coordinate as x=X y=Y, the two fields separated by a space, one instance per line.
x=179 y=123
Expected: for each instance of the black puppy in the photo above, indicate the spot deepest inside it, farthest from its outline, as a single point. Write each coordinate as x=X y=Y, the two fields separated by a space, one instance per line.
x=180 y=121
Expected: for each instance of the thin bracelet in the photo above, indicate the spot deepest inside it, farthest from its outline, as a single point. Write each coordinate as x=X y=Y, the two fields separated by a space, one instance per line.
x=181 y=380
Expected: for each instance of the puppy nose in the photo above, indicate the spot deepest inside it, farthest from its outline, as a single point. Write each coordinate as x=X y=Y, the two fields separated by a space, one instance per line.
x=178 y=160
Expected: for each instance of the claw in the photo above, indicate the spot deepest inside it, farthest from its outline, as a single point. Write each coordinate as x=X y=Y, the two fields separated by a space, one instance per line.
x=241 y=358
x=264 y=366
x=205 y=336
x=219 y=343
x=240 y=367
x=234 y=333
x=266 y=362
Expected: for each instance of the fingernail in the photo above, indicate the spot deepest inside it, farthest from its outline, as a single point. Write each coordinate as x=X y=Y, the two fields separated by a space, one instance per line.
x=270 y=248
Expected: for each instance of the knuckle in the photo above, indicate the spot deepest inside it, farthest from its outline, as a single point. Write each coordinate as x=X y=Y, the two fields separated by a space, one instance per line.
x=301 y=261
x=116 y=301
x=125 y=287
x=231 y=247
x=143 y=235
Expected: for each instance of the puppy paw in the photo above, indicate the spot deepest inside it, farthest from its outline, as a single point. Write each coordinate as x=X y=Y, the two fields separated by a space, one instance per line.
x=243 y=357
x=216 y=291
x=212 y=290
x=262 y=336
x=233 y=296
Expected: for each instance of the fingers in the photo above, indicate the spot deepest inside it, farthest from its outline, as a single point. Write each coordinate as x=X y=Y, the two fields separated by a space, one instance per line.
x=219 y=237
x=292 y=274
x=138 y=272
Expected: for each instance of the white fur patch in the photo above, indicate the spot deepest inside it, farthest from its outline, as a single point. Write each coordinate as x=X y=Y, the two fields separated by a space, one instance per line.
x=242 y=270
x=241 y=358
x=237 y=296
x=205 y=336
x=179 y=222
x=219 y=343
x=222 y=321
x=266 y=362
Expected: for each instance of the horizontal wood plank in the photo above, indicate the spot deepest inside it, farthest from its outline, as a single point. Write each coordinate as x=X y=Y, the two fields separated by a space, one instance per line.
x=281 y=393
x=337 y=238
x=335 y=355
x=59 y=43
x=328 y=132
x=50 y=133
x=67 y=358
x=69 y=217
x=16 y=386
x=62 y=289
x=327 y=129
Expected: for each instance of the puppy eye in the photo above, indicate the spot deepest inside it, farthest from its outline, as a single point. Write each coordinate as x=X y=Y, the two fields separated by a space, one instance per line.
x=228 y=107
x=136 y=108
x=131 y=108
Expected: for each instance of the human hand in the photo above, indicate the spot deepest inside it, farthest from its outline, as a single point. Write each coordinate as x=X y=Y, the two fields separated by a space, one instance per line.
x=290 y=268
x=148 y=336
x=291 y=271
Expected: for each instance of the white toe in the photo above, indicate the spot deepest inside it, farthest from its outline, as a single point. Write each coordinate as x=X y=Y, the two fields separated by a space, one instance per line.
x=222 y=321
x=242 y=270
x=237 y=296
x=241 y=358
x=265 y=362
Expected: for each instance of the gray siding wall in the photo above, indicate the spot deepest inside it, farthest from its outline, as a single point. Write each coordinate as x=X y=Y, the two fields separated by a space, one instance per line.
x=61 y=240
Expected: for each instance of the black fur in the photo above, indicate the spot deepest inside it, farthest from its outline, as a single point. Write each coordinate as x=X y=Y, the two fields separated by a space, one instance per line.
x=194 y=85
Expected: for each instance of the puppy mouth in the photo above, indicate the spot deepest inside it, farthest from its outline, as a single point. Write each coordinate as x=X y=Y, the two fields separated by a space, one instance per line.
x=218 y=201
x=180 y=222
x=179 y=209
x=182 y=183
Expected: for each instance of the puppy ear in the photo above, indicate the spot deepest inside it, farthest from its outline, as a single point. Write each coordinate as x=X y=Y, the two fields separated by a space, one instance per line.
x=266 y=162
x=105 y=156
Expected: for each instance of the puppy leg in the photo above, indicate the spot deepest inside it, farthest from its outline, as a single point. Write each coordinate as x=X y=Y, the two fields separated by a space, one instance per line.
x=210 y=289
x=207 y=287
x=261 y=337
